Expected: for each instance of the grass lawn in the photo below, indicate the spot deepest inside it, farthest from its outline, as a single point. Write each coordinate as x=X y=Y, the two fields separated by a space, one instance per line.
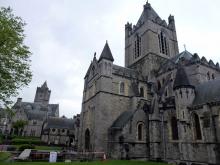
x=4 y=156
x=108 y=162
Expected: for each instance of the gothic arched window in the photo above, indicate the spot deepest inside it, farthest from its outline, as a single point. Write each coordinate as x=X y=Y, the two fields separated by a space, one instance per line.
x=122 y=88
x=197 y=128
x=174 y=128
x=208 y=76
x=141 y=92
x=137 y=47
x=163 y=43
x=140 y=128
x=213 y=76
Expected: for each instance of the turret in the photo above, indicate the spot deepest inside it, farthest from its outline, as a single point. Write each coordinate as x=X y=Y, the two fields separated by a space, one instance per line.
x=128 y=29
x=171 y=24
x=106 y=61
x=42 y=94
x=184 y=97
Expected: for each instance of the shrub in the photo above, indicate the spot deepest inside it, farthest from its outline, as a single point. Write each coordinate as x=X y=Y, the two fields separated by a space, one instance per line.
x=11 y=148
x=17 y=141
x=26 y=146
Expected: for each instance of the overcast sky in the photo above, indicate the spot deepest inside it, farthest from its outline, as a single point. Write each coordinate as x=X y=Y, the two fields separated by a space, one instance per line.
x=64 y=34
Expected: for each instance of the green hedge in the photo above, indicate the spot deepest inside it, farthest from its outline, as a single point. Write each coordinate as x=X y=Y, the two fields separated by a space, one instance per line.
x=17 y=141
x=26 y=146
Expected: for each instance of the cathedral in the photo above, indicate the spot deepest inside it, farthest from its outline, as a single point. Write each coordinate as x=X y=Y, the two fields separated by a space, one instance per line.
x=163 y=105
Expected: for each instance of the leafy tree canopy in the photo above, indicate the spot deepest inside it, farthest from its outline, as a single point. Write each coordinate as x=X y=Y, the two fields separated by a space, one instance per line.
x=14 y=55
x=19 y=124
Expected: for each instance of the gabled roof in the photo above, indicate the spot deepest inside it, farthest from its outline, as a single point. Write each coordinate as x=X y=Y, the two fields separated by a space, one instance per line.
x=148 y=14
x=181 y=79
x=207 y=92
x=36 y=115
x=106 y=53
x=93 y=64
x=59 y=122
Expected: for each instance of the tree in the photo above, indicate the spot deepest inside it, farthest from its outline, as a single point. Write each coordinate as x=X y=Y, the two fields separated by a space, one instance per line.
x=18 y=125
x=14 y=55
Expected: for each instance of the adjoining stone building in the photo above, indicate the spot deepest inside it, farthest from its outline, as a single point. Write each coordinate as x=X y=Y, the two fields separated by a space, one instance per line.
x=163 y=105
x=34 y=113
x=43 y=120
x=61 y=131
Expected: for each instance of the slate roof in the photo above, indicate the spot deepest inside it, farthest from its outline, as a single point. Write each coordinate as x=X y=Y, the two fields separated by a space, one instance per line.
x=122 y=119
x=106 y=53
x=207 y=92
x=122 y=71
x=36 y=115
x=173 y=62
x=37 y=111
x=185 y=54
x=61 y=123
x=188 y=59
x=51 y=108
x=181 y=79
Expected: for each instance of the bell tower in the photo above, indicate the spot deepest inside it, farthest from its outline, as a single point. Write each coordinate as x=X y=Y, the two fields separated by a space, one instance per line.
x=42 y=94
x=150 y=42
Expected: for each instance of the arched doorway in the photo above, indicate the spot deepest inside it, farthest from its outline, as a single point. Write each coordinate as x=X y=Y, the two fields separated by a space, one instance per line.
x=87 y=140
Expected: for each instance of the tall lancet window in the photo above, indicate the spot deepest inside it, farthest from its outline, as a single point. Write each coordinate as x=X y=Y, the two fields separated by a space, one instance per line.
x=137 y=46
x=197 y=128
x=163 y=44
x=174 y=127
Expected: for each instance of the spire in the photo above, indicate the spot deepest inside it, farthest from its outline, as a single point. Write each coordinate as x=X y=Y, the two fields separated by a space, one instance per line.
x=44 y=85
x=148 y=14
x=106 y=53
x=181 y=79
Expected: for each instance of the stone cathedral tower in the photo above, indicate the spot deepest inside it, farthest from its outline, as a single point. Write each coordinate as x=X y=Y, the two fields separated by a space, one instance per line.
x=163 y=105
x=150 y=42
x=42 y=94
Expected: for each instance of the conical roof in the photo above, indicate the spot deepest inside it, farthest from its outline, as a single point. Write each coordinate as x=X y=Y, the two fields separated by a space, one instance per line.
x=181 y=79
x=106 y=53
